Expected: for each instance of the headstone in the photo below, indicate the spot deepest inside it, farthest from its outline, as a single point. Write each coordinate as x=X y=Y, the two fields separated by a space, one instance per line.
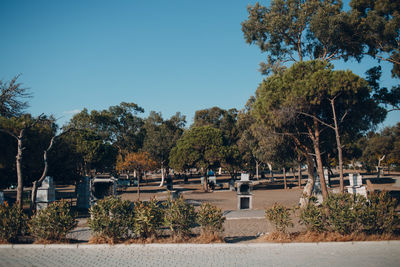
x=361 y=190
x=46 y=193
x=83 y=193
x=326 y=176
x=245 y=202
x=232 y=185
x=212 y=179
x=244 y=177
x=355 y=179
x=317 y=191
x=1 y=198
x=244 y=194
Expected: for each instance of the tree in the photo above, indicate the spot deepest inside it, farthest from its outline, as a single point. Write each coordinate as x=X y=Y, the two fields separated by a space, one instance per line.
x=298 y=103
x=118 y=125
x=11 y=98
x=136 y=161
x=199 y=147
x=161 y=136
x=377 y=24
x=20 y=129
x=297 y=30
x=382 y=149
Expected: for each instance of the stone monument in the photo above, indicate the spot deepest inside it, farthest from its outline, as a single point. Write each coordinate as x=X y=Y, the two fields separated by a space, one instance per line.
x=46 y=193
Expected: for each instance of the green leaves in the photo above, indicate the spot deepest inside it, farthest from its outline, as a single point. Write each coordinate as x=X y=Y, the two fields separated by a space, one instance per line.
x=199 y=147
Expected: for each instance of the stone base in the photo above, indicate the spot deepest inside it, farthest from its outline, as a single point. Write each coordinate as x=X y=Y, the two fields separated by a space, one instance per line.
x=245 y=202
x=361 y=190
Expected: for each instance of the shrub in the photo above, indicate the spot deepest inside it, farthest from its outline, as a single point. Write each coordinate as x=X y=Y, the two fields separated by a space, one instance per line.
x=148 y=218
x=313 y=217
x=280 y=217
x=53 y=223
x=179 y=217
x=341 y=216
x=111 y=218
x=379 y=215
x=210 y=218
x=12 y=222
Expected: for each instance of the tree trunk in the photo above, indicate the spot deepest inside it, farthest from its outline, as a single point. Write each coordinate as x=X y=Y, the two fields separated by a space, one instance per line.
x=257 y=164
x=339 y=147
x=38 y=183
x=20 y=188
x=299 y=175
x=320 y=168
x=284 y=178
x=307 y=192
x=138 y=185
x=162 y=177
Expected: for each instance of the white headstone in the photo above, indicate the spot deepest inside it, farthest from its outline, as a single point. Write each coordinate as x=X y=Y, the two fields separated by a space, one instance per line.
x=46 y=193
x=244 y=177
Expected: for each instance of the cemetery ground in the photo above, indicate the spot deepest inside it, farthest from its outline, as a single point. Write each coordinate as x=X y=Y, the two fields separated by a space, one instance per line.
x=244 y=226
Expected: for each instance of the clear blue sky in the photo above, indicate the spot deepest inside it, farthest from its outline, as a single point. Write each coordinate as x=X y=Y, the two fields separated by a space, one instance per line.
x=166 y=56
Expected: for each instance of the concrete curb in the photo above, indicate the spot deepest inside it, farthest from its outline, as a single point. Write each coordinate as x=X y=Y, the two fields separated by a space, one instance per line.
x=190 y=245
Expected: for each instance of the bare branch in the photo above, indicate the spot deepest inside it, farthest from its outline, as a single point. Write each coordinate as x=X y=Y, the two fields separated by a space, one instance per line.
x=314 y=117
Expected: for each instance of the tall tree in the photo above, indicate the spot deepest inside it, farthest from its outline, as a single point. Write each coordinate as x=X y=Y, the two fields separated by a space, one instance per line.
x=303 y=95
x=297 y=30
x=199 y=147
x=377 y=24
x=161 y=136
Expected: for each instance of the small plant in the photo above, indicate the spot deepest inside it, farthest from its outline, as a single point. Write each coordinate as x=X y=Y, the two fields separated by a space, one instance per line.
x=12 y=222
x=210 y=218
x=111 y=218
x=313 y=217
x=148 y=218
x=342 y=213
x=280 y=217
x=379 y=215
x=53 y=223
x=179 y=217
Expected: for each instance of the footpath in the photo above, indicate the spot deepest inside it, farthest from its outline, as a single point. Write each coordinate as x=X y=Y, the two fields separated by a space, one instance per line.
x=386 y=253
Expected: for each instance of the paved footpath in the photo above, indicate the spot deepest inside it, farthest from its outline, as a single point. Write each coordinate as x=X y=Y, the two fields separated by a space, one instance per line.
x=256 y=254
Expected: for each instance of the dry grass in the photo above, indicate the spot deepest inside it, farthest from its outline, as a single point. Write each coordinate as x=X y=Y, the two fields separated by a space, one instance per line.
x=323 y=237
x=46 y=242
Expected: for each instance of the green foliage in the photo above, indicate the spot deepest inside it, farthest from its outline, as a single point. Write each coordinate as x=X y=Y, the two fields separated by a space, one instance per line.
x=342 y=213
x=161 y=136
x=111 y=218
x=280 y=217
x=179 y=217
x=300 y=30
x=13 y=222
x=346 y=214
x=313 y=217
x=210 y=218
x=53 y=223
x=379 y=214
x=148 y=218
x=199 y=147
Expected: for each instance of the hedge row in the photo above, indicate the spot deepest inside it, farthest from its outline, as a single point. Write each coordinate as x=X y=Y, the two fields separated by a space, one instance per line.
x=342 y=213
x=111 y=218
x=116 y=219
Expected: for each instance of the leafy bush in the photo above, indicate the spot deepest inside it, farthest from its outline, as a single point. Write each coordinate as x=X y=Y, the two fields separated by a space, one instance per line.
x=313 y=217
x=53 y=223
x=179 y=216
x=210 y=218
x=148 y=218
x=379 y=215
x=346 y=214
x=111 y=218
x=341 y=215
x=280 y=217
x=12 y=222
